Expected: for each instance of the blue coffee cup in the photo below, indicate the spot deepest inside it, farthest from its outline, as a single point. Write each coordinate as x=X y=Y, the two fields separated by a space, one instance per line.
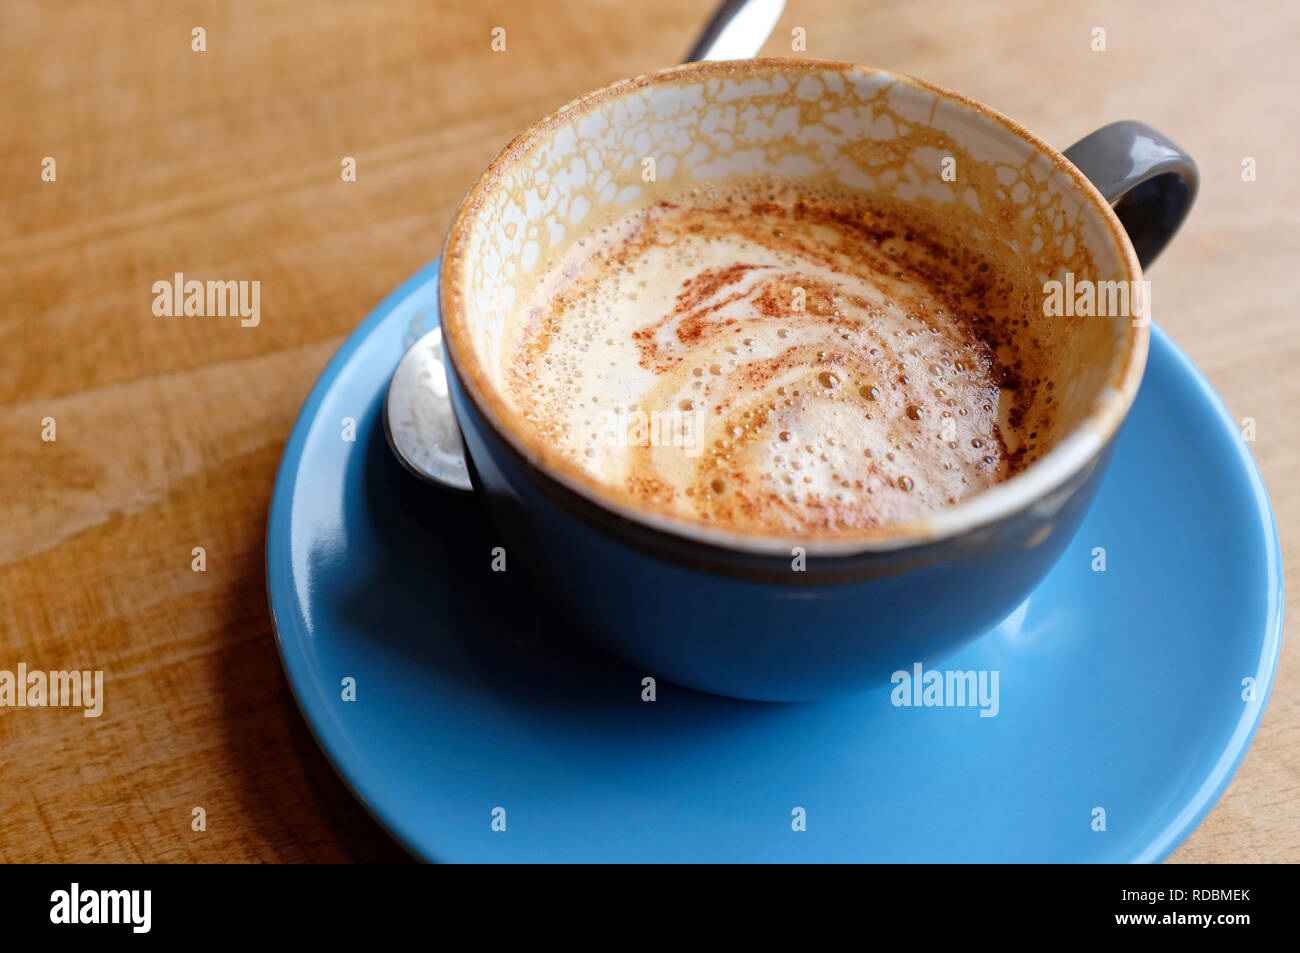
x=791 y=618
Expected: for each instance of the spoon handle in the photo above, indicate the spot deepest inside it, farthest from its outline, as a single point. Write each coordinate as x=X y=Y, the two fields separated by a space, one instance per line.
x=737 y=31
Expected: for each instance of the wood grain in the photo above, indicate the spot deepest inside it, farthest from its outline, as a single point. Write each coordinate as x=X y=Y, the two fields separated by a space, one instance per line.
x=225 y=164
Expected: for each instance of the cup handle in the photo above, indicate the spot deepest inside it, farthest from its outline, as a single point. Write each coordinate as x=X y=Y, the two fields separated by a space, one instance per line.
x=1148 y=179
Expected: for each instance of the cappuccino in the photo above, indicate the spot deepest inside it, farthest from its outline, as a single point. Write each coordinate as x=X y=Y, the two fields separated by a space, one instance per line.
x=823 y=361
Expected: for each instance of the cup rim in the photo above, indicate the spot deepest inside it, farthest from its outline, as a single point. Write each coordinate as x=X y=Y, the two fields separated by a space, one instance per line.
x=1038 y=481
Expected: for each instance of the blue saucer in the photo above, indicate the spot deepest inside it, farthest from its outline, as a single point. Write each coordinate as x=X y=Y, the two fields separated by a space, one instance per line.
x=1121 y=690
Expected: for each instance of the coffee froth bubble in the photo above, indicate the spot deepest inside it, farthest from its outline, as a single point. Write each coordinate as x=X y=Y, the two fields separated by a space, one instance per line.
x=780 y=358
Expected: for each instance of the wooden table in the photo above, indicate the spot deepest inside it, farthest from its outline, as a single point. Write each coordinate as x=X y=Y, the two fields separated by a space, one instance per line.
x=226 y=164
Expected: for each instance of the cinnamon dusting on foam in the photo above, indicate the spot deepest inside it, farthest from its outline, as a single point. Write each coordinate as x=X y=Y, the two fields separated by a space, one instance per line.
x=852 y=364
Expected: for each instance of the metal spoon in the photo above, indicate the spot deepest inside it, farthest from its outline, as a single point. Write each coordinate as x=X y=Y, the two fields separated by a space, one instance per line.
x=418 y=418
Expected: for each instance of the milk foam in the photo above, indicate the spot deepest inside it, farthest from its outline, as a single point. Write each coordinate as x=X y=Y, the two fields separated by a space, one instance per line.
x=773 y=361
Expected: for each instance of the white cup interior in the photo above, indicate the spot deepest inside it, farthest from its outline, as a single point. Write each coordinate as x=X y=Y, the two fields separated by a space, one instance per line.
x=868 y=129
